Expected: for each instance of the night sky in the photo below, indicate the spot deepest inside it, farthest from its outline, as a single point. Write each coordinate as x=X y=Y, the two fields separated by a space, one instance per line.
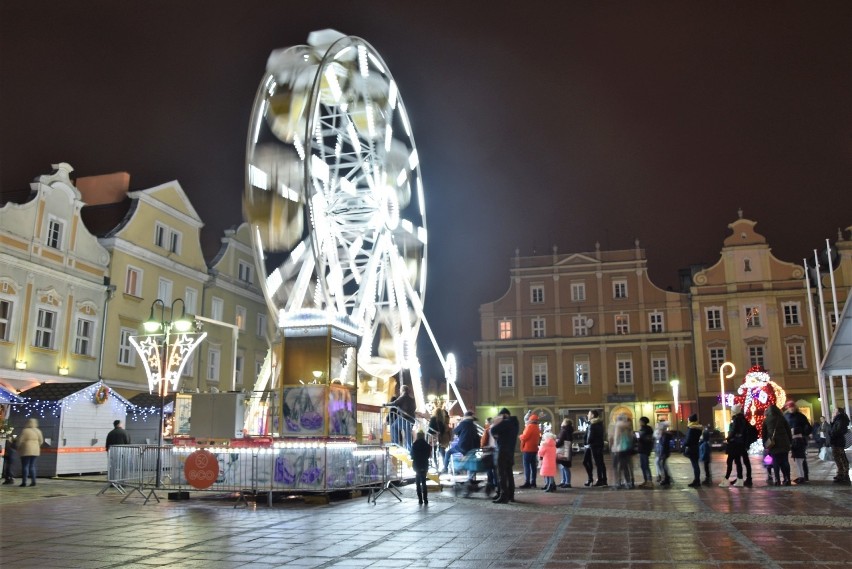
x=537 y=123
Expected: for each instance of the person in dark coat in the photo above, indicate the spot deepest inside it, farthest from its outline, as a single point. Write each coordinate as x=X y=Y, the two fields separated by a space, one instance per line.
x=777 y=439
x=645 y=444
x=737 y=449
x=117 y=436
x=466 y=441
x=9 y=454
x=564 y=441
x=505 y=433
x=690 y=448
x=401 y=417
x=421 y=451
x=837 y=440
x=801 y=429
x=595 y=438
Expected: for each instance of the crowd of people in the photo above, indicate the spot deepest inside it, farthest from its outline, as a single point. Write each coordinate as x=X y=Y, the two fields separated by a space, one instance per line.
x=785 y=436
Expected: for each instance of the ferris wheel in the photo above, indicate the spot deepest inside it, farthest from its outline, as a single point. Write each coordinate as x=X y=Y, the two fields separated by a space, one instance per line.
x=335 y=197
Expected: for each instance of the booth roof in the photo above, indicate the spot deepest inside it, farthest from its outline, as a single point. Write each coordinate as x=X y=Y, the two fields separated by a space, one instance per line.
x=150 y=399
x=55 y=391
x=7 y=396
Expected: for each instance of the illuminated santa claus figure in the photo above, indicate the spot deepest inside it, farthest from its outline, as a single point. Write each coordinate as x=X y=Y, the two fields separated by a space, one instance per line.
x=756 y=394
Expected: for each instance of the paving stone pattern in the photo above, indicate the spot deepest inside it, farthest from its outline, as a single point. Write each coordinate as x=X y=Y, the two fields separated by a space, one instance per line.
x=64 y=523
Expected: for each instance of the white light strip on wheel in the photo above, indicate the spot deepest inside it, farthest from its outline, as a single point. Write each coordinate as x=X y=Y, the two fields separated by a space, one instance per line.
x=413 y=160
x=319 y=168
x=420 y=201
x=377 y=63
x=364 y=67
x=388 y=137
x=348 y=187
x=331 y=77
x=422 y=235
x=274 y=280
x=261 y=113
x=404 y=116
x=393 y=93
x=342 y=52
x=353 y=138
x=402 y=177
x=258 y=177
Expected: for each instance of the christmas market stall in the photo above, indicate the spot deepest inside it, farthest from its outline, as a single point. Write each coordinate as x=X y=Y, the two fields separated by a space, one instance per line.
x=75 y=419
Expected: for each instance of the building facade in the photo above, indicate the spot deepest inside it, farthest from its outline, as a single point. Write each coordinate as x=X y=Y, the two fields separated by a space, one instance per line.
x=585 y=331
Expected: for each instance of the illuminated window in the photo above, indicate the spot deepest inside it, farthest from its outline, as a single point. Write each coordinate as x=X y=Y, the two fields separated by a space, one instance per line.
x=713 y=315
x=622 y=324
x=578 y=292
x=240 y=319
x=538 y=330
x=45 y=329
x=619 y=289
x=537 y=294
x=752 y=314
x=505 y=329
x=581 y=370
x=791 y=314
x=655 y=320
x=717 y=358
x=624 y=365
x=539 y=372
x=659 y=368
x=507 y=374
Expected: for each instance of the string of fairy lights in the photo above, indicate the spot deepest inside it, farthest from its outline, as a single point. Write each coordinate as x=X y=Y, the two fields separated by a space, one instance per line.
x=44 y=408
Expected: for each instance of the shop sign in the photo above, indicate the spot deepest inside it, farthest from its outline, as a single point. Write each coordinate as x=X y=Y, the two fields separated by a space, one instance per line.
x=201 y=469
x=621 y=398
x=663 y=408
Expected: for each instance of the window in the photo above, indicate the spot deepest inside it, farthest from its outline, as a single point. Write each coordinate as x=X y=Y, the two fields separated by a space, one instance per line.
x=5 y=319
x=83 y=342
x=261 y=325
x=537 y=294
x=244 y=272
x=659 y=368
x=791 y=314
x=580 y=325
x=796 y=355
x=539 y=372
x=240 y=319
x=189 y=366
x=747 y=265
x=164 y=290
x=655 y=321
x=258 y=366
x=619 y=289
x=717 y=358
x=190 y=300
x=755 y=356
x=54 y=233
x=217 y=308
x=507 y=374
x=538 y=327
x=624 y=365
x=213 y=358
x=167 y=238
x=581 y=370
x=505 y=329
x=752 y=316
x=239 y=364
x=714 y=318
x=133 y=281
x=622 y=324
x=45 y=329
x=578 y=292
x=126 y=352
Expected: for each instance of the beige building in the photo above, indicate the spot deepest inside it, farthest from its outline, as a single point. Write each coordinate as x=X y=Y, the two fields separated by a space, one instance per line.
x=585 y=331
x=590 y=331
x=52 y=287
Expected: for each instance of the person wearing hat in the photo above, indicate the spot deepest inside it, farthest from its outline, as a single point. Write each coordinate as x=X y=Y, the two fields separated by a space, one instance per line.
x=467 y=439
x=777 y=439
x=690 y=447
x=801 y=429
x=737 y=449
x=595 y=437
x=837 y=439
x=530 y=439
x=505 y=433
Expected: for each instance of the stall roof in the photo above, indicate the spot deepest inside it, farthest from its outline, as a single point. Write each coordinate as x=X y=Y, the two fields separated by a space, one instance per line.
x=838 y=359
x=7 y=396
x=59 y=391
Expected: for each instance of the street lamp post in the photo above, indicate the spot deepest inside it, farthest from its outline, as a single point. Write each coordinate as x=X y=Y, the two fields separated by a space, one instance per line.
x=675 y=383
x=164 y=349
x=722 y=377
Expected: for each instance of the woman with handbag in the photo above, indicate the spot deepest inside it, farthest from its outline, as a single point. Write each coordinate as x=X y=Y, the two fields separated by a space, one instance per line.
x=564 y=451
x=777 y=440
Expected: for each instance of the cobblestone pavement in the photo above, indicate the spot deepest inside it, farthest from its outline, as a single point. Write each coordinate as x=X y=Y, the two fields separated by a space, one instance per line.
x=64 y=523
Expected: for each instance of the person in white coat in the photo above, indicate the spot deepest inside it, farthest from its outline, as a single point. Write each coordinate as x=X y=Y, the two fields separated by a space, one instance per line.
x=29 y=449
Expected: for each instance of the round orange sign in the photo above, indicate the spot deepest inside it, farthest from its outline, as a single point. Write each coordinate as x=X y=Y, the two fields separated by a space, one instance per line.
x=201 y=469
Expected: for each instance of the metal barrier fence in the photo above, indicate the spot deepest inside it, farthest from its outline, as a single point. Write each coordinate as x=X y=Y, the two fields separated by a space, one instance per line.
x=303 y=467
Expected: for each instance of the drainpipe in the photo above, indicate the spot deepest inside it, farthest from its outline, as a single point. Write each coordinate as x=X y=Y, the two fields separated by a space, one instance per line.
x=110 y=291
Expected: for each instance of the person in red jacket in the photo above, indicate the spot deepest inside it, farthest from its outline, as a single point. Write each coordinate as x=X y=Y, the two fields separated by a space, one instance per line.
x=530 y=439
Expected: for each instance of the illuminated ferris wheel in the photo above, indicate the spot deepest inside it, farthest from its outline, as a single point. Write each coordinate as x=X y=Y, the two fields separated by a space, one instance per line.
x=334 y=195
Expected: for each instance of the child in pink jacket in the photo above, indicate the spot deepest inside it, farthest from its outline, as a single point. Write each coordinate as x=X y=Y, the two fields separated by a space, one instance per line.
x=547 y=454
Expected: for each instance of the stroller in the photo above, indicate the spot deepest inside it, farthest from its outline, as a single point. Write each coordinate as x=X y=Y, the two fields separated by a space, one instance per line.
x=472 y=462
